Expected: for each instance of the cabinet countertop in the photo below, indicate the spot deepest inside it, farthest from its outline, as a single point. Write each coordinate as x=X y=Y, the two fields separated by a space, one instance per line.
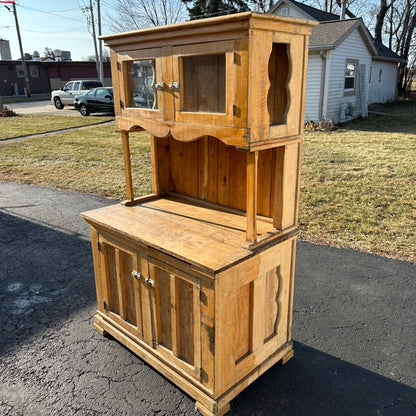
x=206 y=237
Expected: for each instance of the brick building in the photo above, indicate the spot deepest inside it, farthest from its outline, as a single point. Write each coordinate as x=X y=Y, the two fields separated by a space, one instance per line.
x=46 y=76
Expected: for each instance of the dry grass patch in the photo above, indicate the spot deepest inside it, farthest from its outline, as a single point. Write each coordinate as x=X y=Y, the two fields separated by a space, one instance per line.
x=26 y=125
x=359 y=186
x=85 y=161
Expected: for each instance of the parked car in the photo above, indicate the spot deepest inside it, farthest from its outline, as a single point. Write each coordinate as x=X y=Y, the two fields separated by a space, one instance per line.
x=98 y=100
x=66 y=95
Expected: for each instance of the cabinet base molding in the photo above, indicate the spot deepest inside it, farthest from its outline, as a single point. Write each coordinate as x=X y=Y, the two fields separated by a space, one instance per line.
x=206 y=412
x=207 y=404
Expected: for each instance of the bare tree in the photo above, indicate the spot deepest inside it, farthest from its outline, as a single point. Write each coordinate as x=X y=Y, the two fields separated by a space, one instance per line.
x=381 y=15
x=48 y=53
x=262 y=5
x=137 y=14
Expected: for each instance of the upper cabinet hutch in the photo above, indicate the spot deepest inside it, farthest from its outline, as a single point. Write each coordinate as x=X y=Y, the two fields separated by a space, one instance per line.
x=197 y=277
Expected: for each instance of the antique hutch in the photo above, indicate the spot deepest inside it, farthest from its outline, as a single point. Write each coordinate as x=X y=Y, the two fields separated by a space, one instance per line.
x=197 y=277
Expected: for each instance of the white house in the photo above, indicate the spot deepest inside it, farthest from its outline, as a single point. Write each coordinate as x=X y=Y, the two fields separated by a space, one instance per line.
x=347 y=68
x=383 y=78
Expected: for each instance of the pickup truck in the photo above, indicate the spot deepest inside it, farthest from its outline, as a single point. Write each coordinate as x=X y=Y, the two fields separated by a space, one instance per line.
x=66 y=95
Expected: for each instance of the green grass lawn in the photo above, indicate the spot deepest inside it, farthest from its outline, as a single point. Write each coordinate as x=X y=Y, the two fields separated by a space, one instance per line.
x=26 y=125
x=358 y=182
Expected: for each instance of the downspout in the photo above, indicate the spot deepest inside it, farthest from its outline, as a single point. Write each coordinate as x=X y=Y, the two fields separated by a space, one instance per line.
x=322 y=54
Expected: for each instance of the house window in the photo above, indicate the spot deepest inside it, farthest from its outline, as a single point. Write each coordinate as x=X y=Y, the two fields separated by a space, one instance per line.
x=380 y=74
x=34 y=73
x=20 y=72
x=351 y=70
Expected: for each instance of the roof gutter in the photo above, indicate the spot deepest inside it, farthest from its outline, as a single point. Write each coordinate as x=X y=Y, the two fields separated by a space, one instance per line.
x=320 y=48
x=322 y=54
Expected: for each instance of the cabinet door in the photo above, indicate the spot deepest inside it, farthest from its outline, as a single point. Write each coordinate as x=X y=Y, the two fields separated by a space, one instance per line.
x=158 y=304
x=144 y=77
x=177 y=313
x=203 y=83
x=121 y=291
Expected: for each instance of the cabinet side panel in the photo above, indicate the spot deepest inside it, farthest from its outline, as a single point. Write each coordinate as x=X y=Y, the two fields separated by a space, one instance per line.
x=241 y=309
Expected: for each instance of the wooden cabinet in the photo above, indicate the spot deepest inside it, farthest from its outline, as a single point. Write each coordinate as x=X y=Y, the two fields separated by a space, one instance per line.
x=197 y=277
x=240 y=78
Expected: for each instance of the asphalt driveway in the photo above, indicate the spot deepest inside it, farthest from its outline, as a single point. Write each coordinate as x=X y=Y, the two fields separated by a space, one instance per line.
x=354 y=328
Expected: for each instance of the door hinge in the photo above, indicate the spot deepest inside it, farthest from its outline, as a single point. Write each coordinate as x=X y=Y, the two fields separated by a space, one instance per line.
x=236 y=111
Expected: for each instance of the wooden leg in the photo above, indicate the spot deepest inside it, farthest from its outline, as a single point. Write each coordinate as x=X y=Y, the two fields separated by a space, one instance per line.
x=205 y=412
x=287 y=357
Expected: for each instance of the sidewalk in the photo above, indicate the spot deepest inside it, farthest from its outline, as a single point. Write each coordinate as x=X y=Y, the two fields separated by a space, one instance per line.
x=354 y=328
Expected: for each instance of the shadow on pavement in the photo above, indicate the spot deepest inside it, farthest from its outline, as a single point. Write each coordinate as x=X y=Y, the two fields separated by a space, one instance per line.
x=315 y=383
x=45 y=275
x=354 y=321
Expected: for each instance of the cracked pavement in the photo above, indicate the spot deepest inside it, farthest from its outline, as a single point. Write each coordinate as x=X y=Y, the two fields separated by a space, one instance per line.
x=354 y=327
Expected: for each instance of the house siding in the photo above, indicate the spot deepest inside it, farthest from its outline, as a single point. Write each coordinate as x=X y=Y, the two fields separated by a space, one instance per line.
x=385 y=90
x=313 y=88
x=293 y=12
x=353 y=47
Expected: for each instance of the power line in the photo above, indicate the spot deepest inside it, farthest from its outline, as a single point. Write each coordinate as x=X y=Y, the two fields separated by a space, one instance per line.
x=53 y=31
x=52 y=13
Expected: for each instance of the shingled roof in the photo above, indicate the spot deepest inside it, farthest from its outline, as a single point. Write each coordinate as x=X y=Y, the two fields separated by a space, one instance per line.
x=315 y=14
x=383 y=52
x=328 y=35
x=331 y=31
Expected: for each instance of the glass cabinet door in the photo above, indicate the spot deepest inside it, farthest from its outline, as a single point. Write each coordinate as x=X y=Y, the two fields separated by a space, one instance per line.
x=143 y=87
x=142 y=93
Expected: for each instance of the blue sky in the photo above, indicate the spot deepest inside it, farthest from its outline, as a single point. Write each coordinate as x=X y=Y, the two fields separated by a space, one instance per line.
x=55 y=24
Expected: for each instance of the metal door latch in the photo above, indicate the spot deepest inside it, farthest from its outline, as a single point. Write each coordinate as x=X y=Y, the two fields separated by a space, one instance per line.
x=159 y=86
x=136 y=274
x=174 y=86
x=150 y=282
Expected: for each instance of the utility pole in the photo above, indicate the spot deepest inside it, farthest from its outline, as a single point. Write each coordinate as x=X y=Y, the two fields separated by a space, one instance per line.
x=20 y=46
x=100 y=43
